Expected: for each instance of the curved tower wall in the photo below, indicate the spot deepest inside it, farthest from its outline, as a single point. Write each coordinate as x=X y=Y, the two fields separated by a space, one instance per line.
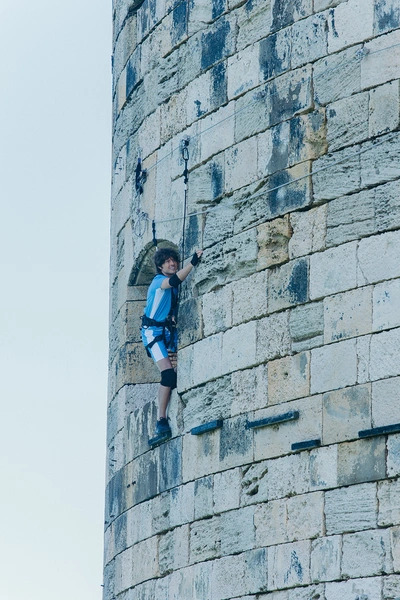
x=291 y=110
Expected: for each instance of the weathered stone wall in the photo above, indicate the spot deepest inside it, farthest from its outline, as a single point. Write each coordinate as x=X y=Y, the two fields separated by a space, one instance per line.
x=291 y=108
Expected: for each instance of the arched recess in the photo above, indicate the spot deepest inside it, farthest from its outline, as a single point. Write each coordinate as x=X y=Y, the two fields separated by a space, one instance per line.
x=144 y=270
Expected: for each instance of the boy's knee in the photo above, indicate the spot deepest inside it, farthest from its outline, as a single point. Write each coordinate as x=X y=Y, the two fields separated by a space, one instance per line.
x=168 y=378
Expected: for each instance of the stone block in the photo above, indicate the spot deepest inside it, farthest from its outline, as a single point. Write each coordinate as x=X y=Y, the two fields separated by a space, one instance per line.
x=198 y=97
x=323 y=468
x=333 y=366
x=199 y=15
x=381 y=64
x=285 y=13
x=386 y=402
x=305 y=516
x=383 y=354
x=160 y=511
x=241 y=574
x=174 y=549
x=337 y=76
x=273 y=337
x=386 y=305
x=181 y=506
x=379 y=165
x=207 y=183
x=393 y=455
x=288 y=476
x=200 y=455
x=226 y=495
x=384 y=110
x=143 y=562
x=290 y=94
x=207 y=359
x=377 y=258
x=241 y=164
x=289 y=378
x=170 y=467
x=325 y=558
x=239 y=347
x=249 y=298
x=227 y=261
x=207 y=403
x=274 y=54
x=347 y=121
x=395 y=547
x=351 y=217
x=123 y=571
x=361 y=461
x=270 y=521
x=363 y=358
x=389 y=503
x=289 y=565
x=237 y=530
x=387 y=16
x=217 y=131
x=288 y=190
x=251 y=379
x=203 y=497
x=333 y=271
x=352 y=508
x=309 y=231
x=306 y=324
x=366 y=553
x=320 y=5
x=139 y=523
x=348 y=315
x=345 y=413
x=254 y=484
x=205 y=539
x=254 y=20
x=309 y=40
x=336 y=174
x=236 y=443
x=273 y=239
x=277 y=440
x=185 y=373
x=243 y=71
x=288 y=285
x=349 y=23
x=391 y=587
x=368 y=588
x=252 y=114
x=218 y=42
x=190 y=329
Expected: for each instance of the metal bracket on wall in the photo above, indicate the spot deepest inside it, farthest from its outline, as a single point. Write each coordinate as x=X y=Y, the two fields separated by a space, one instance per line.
x=395 y=428
x=307 y=445
x=293 y=415
x=207 y=427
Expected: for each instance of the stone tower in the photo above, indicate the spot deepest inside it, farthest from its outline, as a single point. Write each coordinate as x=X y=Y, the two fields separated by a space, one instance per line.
x=290 y=326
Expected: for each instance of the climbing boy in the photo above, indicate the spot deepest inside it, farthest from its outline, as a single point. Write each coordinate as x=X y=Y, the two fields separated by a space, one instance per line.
x=159 y=324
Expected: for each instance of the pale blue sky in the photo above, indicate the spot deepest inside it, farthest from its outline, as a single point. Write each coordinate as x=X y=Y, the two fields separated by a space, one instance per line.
x=55 y=97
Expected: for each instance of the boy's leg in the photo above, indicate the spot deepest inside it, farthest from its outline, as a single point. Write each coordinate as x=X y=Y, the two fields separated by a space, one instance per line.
x=164 y=392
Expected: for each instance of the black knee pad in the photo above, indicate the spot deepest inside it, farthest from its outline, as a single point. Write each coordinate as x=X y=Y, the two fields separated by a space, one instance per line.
x=168 y=378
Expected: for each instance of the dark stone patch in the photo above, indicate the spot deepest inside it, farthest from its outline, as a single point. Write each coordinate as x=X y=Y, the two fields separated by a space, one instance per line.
x=146 y=486
x=170 y=472
x=283 y=12
x=285 y=198
x=115 y=496
x=218 y=85
x=280 y=150
x=298 y=282
x=249 y=5
x=386 y=18
x=283 y=107
x=179 y=22
x=189 y=322
x=120 y=533
x=271 y=64
x=131 y=76
x=199 y=112
x=218 y=7
x=296 y=136
x=217 y=180
x=213 y=44
x=193 y=234
x=235 y=439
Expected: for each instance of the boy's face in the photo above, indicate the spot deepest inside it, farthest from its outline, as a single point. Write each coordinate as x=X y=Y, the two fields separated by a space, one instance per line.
x=169 y=267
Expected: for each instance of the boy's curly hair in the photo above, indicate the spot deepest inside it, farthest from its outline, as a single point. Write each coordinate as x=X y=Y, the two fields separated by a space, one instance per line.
x=164 y=254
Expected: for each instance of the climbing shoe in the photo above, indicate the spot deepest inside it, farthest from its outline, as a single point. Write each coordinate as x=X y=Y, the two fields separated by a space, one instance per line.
x=162 y=427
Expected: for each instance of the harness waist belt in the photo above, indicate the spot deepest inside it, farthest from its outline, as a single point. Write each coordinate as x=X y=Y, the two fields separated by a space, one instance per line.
x=147 y=322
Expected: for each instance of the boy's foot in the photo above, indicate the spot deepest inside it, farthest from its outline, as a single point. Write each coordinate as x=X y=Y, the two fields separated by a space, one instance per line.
x=162 y=427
